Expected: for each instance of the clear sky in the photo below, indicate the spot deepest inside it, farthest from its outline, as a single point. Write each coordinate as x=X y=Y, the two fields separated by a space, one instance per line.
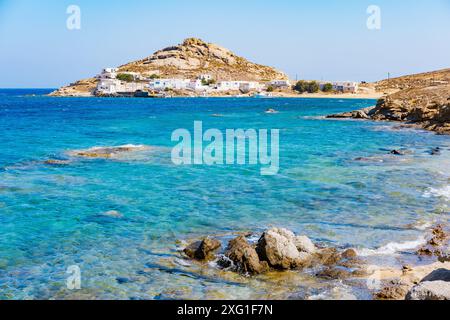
x=326 y=39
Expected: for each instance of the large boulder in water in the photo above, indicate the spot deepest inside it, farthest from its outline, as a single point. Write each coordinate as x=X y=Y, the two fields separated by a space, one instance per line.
x=278 y=248
x=244 y=257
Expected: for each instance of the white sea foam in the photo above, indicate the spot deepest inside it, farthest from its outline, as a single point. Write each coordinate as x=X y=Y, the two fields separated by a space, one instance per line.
x=393 y=247
x=342 y=292
x=443 y=192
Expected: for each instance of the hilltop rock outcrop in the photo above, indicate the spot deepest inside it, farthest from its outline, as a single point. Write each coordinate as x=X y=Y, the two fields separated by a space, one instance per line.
x=195 y=57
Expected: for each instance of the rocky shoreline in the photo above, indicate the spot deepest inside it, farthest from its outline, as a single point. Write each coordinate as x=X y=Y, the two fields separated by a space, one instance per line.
x=427 y=108
x=280 y=250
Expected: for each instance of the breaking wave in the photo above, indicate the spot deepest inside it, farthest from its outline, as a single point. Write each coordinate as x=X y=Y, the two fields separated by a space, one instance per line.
x=393 y=247
x=443 y=192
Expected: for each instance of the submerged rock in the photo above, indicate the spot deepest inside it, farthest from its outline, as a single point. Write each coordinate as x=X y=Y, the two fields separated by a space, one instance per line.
x=54 y=162
x=203 y=250
x=278 y=248
x=113 y=214
x=107 y=152
x=245 y=257
x=435 y=151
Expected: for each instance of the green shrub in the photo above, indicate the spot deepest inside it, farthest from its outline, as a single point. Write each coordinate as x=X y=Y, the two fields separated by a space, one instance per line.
x=313 y=87
x=208 y=82
x=301 y=86
x=328 y=87
x=305 y=86
x=125 y=77
x=154 y=76
x=270 y=89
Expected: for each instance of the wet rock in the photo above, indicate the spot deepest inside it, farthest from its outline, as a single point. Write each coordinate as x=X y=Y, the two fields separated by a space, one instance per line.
x=335 y=273
x=435 y=151
x=437 y=244
x=202 y=250
x=304 y=244
x=244 y=257
x=444 y=257
x=192 y=249
x=349 y=254
x=328 y=256
x=358 y=114
x=278 y=248
x=430 y=290
x=397 y=152
x=395 y=290
x=439 y=235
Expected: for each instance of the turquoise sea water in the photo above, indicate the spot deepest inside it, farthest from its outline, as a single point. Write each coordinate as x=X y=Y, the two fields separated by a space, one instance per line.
x=51 y=217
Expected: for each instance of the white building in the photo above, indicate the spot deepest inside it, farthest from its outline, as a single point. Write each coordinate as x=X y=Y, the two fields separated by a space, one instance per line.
x=342 y=86
x=108 y=73
x=114 y=86
x=238 y=85
x=197 y=85
x=174 y=84
x=250 y=86
x=108 y=86
x=280 y=83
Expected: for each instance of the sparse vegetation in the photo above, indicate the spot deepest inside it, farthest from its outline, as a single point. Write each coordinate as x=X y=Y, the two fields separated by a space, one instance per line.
x=154 y=76
x=270 y=89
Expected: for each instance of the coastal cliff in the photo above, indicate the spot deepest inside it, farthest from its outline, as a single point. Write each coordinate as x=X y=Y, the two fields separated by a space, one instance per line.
x=422 y=100
x=186 y=61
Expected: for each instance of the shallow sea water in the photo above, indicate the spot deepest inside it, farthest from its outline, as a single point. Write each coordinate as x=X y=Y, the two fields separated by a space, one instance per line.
x=51 y=217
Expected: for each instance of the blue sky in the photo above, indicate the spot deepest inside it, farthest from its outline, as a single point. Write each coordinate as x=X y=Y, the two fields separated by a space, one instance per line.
x=325 y=39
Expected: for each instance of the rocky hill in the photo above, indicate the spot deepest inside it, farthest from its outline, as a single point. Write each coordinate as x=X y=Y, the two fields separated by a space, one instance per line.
x=421 y=99
x=187 y=61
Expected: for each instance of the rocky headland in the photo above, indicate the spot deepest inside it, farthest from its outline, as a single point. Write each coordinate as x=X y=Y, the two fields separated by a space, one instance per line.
x=419 y=100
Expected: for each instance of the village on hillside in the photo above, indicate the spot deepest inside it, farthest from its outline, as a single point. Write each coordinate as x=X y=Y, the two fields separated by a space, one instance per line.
x=112 y=83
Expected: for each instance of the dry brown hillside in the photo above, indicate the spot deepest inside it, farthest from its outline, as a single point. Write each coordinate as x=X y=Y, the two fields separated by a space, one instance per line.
x=421 y=80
